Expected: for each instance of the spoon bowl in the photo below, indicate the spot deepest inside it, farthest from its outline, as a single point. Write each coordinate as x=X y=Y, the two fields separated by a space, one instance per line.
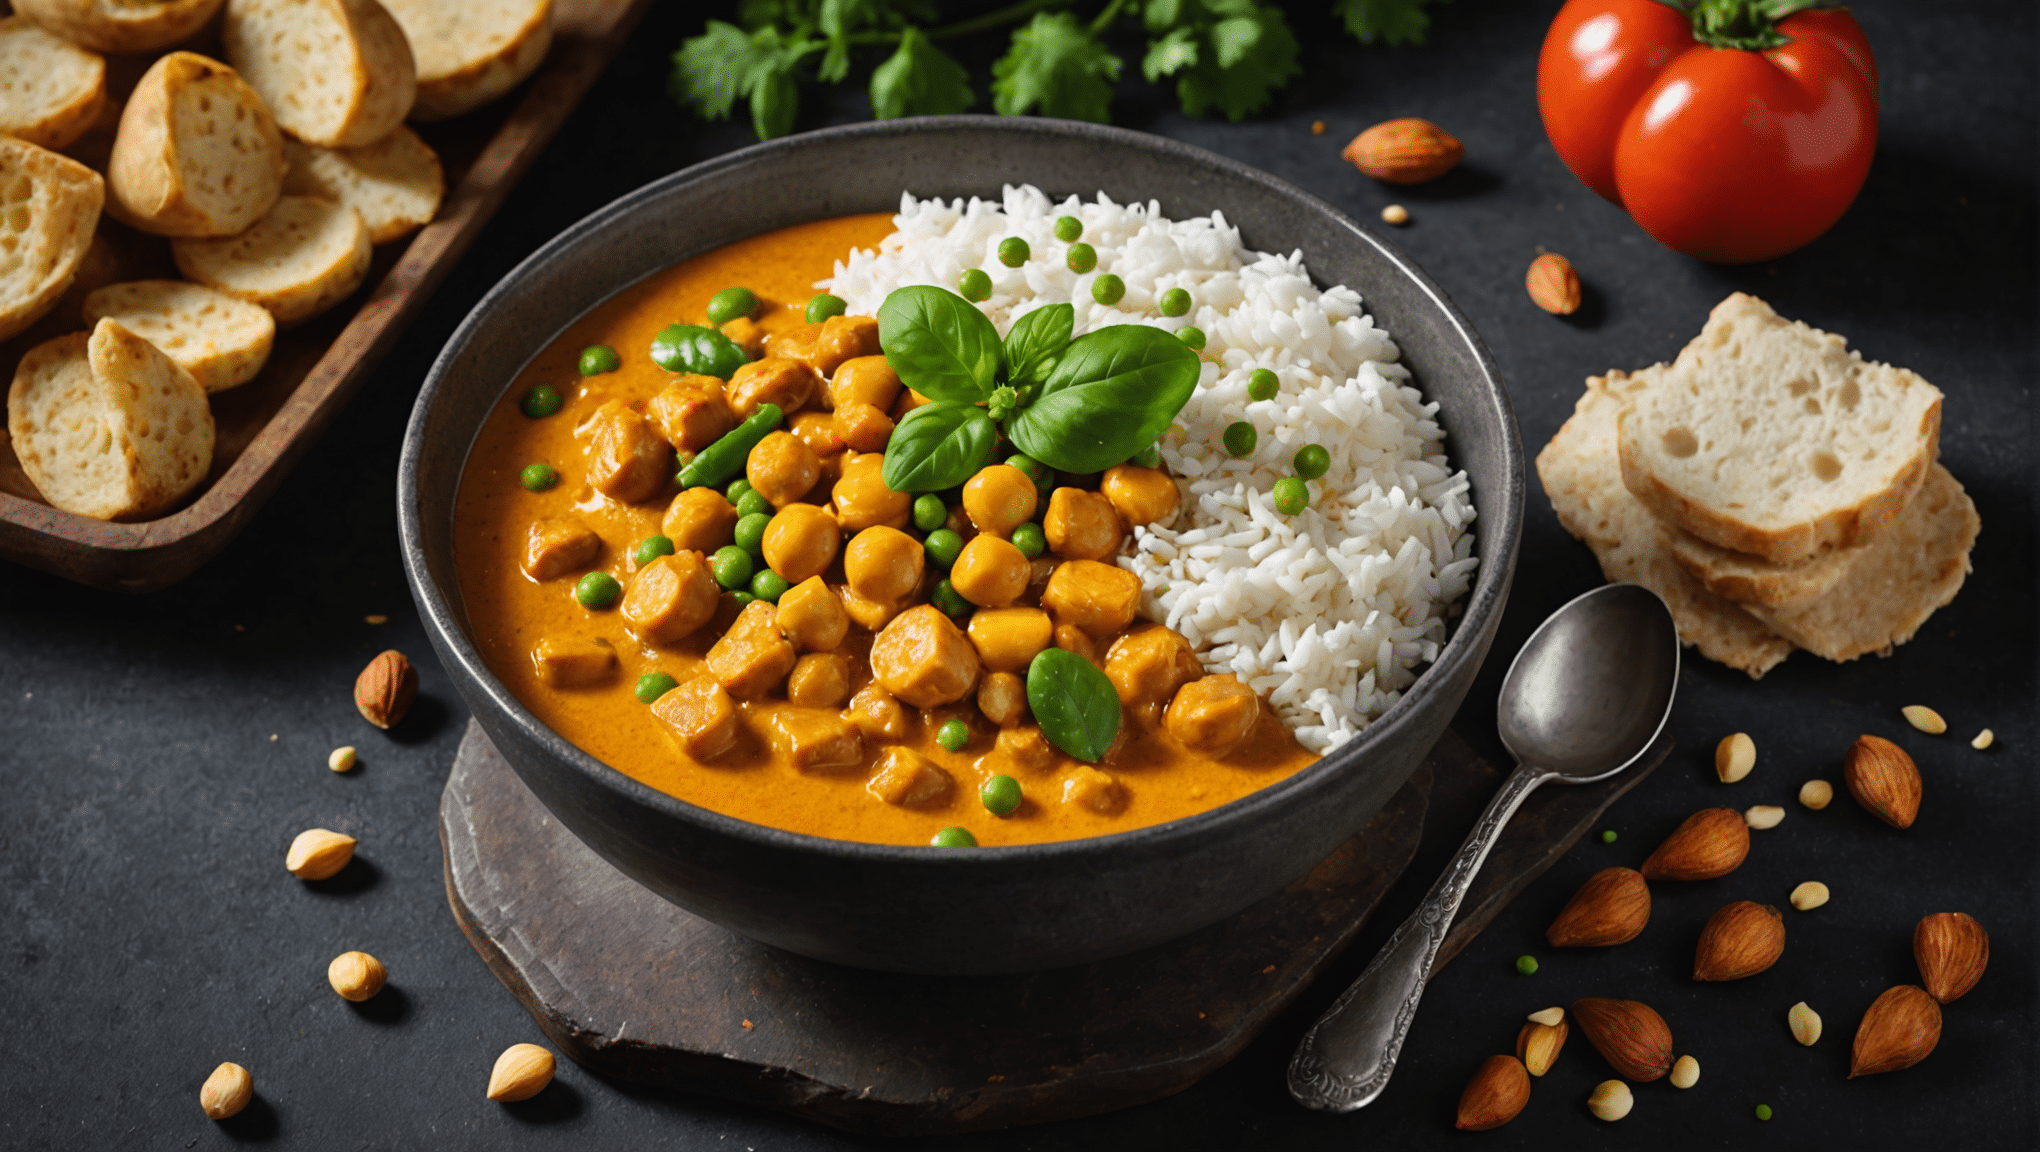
x=1592 y=687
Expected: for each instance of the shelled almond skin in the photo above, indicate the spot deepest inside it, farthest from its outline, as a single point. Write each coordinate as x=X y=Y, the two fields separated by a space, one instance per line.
x=1712 y=842
x=1952 y=950
x=1628 y=1034
x=1612 y=907
x=1740 y=939
x=1899 y=1030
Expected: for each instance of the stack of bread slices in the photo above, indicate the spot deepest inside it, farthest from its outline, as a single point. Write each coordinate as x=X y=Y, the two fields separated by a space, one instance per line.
x=181 y=178
x=1777 y=490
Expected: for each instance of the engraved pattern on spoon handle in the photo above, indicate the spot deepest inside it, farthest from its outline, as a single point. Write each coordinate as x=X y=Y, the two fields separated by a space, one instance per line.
x=1346 y=1058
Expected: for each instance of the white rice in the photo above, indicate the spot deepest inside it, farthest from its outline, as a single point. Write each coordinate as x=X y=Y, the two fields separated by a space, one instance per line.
x=1328 y=614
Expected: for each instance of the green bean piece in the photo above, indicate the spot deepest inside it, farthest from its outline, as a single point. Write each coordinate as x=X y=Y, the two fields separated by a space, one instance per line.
x=1291 y=496
x=1263 y=385
x=1081 y=258
x=1241 y=437
x=974 y=285
x=1150 y=456
x=769 y=585
x=953 y=735
x=653 y=685
x=1108 y=289
x=741 y=597
x=730 y=303
x=543 y=400
x=599 y=358
x=1040 y=473
x=1192 y=335
x=943 y=545
x=950 y=601
x=598 y=590
x=753 y=503
x=1175 y=302
x=1001 y=795
x=824 y=306
x=1029 y=540
x=953 y=837
x=653 y=547
x=538 y=477
x=724 y=459
x=1311 y=461
x=681 y=459
x=732 y=566
x=1068 y=228
x=1013 y=251
x=930 y=512
x=751 y=532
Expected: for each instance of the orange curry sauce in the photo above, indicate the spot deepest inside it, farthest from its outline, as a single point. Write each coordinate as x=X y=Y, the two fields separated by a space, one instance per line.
x=510 y=613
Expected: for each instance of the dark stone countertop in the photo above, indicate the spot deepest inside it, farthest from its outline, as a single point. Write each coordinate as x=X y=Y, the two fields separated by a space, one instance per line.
x=157 y=753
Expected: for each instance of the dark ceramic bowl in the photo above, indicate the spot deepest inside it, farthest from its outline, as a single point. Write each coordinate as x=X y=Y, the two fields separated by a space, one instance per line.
x=992 y=909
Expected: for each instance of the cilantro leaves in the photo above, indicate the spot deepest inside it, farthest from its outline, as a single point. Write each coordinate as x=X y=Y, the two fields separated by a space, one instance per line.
x=919 y=80
x=1058 y=68
x=1385 y=21
x=1229 y=56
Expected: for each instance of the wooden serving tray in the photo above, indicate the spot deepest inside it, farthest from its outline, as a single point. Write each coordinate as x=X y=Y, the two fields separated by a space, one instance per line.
x=264 y=426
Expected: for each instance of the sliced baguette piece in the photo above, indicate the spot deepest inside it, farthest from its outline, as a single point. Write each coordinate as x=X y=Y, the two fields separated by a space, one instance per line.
x=121 y=26
x=302 y=258
x=1583 y=479
x=49 y=206
x=471 y=51
x=395 y=183
x=1915 y=567
x=1772 y=438
x=1755 y=581
x=222 y=341
x=51 y=90
x=107 y=426
x=337 y=73
x=197 y=153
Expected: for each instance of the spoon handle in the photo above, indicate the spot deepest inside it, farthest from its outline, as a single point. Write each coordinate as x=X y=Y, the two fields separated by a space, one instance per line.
x=1346 y=1058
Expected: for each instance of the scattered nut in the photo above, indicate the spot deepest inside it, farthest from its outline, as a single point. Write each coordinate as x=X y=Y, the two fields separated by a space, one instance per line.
x=1899 y=1030
x=1497 y=1092
x=1925 y=719
x=226 y=1091
x=1317 y=127
x=1611 y=1100
x=1883 y=779
x=356 y=976
x=1734 y=757
x=1809 y=895
x=1395 y=214
x=384 y=690
x=375 y=618
x=318 y=853
x=1538 y=1045
x=1984 y=739
x=1740 y=939
x=1685 y=1073
x=521 y=1072
x=1553 y=284
x=1952 y=950
x=1712 y=842
x=1549 y=1016
x=1816 y=794
x=1628 y=1035
x=1612 y=907
x=342 y=759
x=1764 y=816
x=1404 y=151
x=1804 y=1022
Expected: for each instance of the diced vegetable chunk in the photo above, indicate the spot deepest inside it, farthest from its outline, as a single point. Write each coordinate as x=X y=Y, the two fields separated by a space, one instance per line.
x=573 y=661
x=701 y=717
x=752 y=658
x=907 y=779
x=924 y=659
x=1098 y=598
x=670 y=598
x=557 y=547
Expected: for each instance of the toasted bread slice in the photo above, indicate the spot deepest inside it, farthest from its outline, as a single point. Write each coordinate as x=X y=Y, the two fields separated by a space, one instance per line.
x=1753 y=580
x=1916 y=566
x=197 y=153
x=337 y=73
x=471 y=51
x=50 y=89
x=49 y=205
x=1772 y=438
x=1583 y=478
x=107 y=426
x=395 y=183
x=94 y=149
x=222 y=341
x=302 y=258
x=122 y=26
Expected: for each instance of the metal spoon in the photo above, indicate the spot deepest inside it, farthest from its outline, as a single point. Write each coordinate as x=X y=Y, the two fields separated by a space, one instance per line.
x=1586 y=697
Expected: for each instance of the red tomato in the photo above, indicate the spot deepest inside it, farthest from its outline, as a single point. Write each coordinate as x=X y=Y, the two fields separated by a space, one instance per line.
x=1725 y=154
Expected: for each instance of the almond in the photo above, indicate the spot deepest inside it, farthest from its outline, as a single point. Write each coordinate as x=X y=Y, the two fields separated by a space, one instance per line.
x=1610 y=908
x=1883 y=780
x=521 y=1072
x=1742 y=939
x=1898 y=1031
x=1553 y=284
x=1538 y=1045
x=1628 y=1035
x=385 y=689
x=1734 y=757
x=226 y=1091
x=1712 y=842
x=1498 y=1091
x=1952 y=950
x=318 y=853
x=1404 y=151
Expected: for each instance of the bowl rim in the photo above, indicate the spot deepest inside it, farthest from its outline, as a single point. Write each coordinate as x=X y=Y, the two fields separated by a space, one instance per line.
x=1496 y=546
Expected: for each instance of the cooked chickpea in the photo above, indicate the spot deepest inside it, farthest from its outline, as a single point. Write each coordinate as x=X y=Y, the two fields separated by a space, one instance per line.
x=863 y=500
x=989 y=572
x=812 y=617
x=800 y=542
x=1140 y=495
x=1071 y=638
x=774 y=380
x=908 y=401
x=1213 y=715
x=1002 y=697
x=819 y=680
x=862 y=427
x=700 y=520
x=817 y=430
x=782 y=469
x=1081 y=525
x=999 y=499
x=877 y=714
x=883 y=564
x=1008 y=639
x=865 y=380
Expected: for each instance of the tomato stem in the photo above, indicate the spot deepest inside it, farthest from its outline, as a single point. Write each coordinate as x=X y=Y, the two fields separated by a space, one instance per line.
x=1748 y=25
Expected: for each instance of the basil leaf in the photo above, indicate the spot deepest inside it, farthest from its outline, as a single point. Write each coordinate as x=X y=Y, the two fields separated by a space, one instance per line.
x=1113 y=393
x=692 y=348
x=1076 y=706
x=1036 y=341
x=938 y=446
x=939 y=343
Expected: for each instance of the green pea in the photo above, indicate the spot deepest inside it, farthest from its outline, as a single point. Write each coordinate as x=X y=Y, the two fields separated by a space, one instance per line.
x=1526 y=965
x=653 y=547
x=538 y=477
x=751 y=532
x=1175 y=302
x=1763 y=1111
x=736 y=490
x=824 y=306
x=974 y=285
x=1029 y=540
x=1001 y=795
x=1311 y=461
x=730 y=303
x=598 y=590
x=1150 y=456
x=1108 y=289
x=1068 y=228
x=543 y=400
x=769 y=585
x=953 y=837
x=741 y=597
x=1192 y=335
x=1608 y=837
x=1081 y=258
x=950 y=601
x=753 y=503
x=953 y=735
x=943 y=545
x=1039 y=473
x=1013 y=251
x=732 y=567
x=599 y=358
x=1241 y=437
x=1291 y=496
x=930 y=512
x=1263 y=385
x=653 y=685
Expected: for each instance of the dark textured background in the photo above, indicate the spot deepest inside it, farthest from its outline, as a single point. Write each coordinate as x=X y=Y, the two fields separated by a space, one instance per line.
x=157 y=753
